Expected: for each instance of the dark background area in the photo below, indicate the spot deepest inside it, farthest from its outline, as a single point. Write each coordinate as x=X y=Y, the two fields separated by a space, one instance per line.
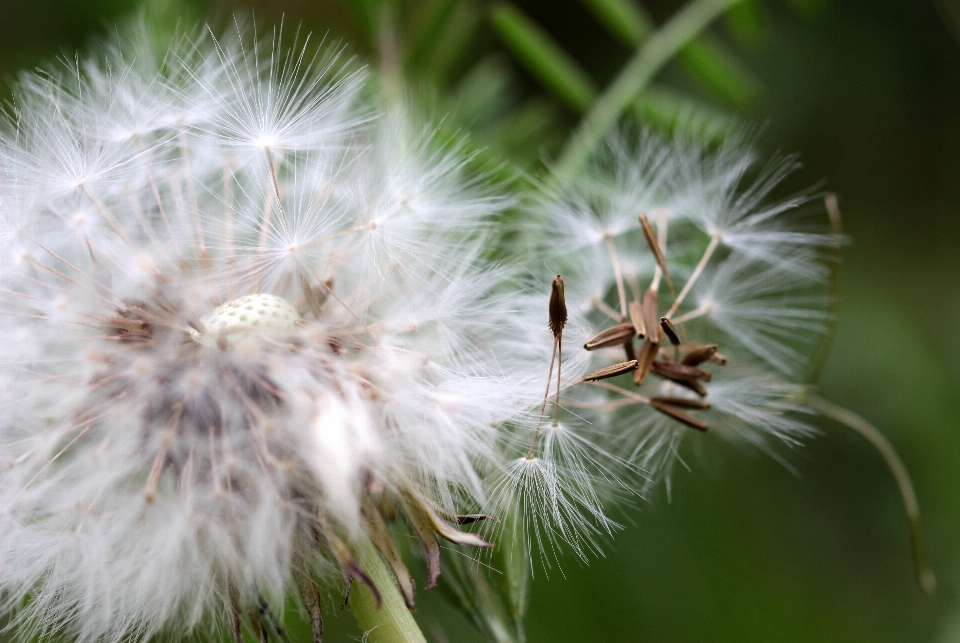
x=869 y=92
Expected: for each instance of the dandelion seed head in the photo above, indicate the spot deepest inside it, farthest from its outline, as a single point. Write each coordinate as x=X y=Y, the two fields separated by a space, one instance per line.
x=742 y=273
x=233 y=325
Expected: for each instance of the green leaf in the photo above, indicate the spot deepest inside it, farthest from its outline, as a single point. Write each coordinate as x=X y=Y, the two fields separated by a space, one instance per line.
x=714 y=66
x=745 y=22
x=364 y=14
x=633 y=78
x=543 y=57
x=626 y=19
x=809 y=8
x=452 y=40
x=424 y=28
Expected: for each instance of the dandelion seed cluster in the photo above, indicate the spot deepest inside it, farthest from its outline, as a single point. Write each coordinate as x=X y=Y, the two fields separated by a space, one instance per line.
x=249 y=318
x=680 y=270
x=242 y=321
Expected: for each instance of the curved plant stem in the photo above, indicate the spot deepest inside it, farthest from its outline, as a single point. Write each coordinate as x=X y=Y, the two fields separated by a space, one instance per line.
x=652 y=55
x=392 y=622
x=822 y=351
x=925 y=578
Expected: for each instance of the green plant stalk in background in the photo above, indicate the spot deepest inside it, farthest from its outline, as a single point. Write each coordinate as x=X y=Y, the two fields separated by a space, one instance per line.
x=545 y=59
x=845 y=417
x=634 y=77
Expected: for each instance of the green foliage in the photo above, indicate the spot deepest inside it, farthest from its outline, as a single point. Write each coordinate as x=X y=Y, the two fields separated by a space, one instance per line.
x=543 y=57
x=717 y=68
x=625 y=19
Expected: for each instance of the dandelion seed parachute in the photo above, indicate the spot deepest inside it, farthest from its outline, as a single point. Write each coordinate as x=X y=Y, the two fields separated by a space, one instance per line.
x=240 y=318
x=743 y=274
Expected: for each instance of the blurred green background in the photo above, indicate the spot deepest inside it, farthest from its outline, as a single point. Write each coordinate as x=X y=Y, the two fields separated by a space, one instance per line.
x=869 y=92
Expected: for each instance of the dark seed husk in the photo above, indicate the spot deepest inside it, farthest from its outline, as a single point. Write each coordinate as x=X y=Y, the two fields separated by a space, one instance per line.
x=670 y=331
x=675 y=371
x=636 y=318
x=697 y=354
x=651 y=238
x=684 y=402
x=717 y=358
x=679 y=416
x=613 y=336
x=557 y=307
x=648 y=353
x=611 y=371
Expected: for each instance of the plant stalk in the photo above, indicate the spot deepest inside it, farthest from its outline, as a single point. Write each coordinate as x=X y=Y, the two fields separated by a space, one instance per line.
x=925 y=577
x=392 y=622
x=649 y=58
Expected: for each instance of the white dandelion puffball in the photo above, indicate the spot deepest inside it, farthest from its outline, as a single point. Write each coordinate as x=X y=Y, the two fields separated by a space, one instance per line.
x=684 y=276
x=243 y=321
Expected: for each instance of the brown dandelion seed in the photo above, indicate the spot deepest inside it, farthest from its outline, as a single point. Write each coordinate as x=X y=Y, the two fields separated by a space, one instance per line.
x=636 y=318
x=651 y=236
x=685 y=402
x=611 y=371
x=678 y=415
x=651 y=345
x=130 y=325
x=696 y=354
x=314 y=297
x=557 y=307
x=613 y=336
x=718 y=359
x=677 y=372
x=693 y=385
x=466 y=519
x=670 y=331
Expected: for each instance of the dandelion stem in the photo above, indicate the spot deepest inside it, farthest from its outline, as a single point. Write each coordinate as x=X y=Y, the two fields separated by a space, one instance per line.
x=392 y=622
x=661 y=242
x=556 y=404
x=605 y=309
x=156 y=190
x=634 y=77
x=693 y=314
x=546 y=395
x=925 y=577
x=265 y=226
x=618 y=274
x=187 y=174
x=633 y=397
x=708 y=253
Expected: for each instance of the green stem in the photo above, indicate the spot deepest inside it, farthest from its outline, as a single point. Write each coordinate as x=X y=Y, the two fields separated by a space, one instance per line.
x=650 y=57
x=925 y=578
x=392 y=622
x=822 y=351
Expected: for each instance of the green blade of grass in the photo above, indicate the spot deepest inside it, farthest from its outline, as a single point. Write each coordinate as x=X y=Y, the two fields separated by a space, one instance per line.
x=423 y=30
x=634 y=78
x=717 y=69
x=452 y=40
x=625 y=19
x=543 y=57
